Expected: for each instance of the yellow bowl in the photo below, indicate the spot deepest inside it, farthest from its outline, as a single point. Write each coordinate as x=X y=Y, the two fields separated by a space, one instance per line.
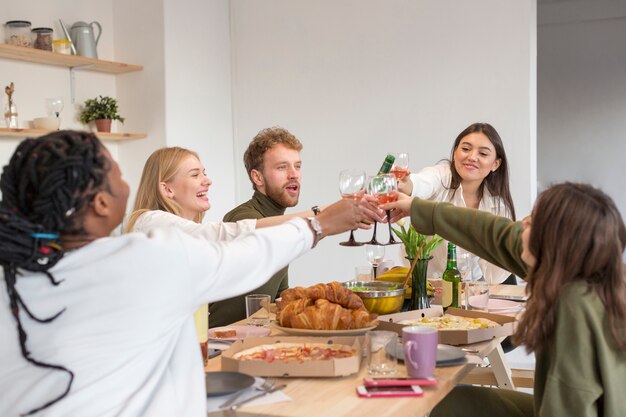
x=378 y=296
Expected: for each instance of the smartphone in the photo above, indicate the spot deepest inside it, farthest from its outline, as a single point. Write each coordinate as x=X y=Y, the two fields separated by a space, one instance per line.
x=214 y=352
x=386 y=392
x=397 y=382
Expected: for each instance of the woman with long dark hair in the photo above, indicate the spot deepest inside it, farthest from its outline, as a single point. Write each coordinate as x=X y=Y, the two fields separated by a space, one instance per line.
x=570 y=252
x=99 y=325
x=475 y=176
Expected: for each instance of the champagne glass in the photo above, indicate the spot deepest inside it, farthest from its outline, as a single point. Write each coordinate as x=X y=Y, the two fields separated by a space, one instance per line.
x=375 y=255
x=400 y=165
x=351 y=186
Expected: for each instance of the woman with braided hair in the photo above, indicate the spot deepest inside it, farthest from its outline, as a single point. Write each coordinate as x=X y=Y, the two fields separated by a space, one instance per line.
x=99 y=325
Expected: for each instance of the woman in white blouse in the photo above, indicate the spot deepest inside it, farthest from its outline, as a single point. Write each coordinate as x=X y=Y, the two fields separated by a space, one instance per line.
x=476 y=176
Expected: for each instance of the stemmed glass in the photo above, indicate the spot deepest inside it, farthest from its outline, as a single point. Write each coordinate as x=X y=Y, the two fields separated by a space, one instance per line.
x=464 y=265
x=400 y=165
x=55 y=106
x=351 y=186
x=381 y=186
x=375 y=255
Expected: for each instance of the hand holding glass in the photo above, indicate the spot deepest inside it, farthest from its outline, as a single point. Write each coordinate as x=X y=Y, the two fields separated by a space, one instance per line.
x=351 y=186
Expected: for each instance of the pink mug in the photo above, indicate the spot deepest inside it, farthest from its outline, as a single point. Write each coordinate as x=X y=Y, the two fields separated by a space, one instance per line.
x=420 y=350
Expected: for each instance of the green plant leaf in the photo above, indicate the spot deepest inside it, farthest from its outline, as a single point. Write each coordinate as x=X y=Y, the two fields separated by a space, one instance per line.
x=100 y=108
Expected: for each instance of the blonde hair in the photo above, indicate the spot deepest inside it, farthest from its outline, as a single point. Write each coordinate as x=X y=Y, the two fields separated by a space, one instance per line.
x=161 y=166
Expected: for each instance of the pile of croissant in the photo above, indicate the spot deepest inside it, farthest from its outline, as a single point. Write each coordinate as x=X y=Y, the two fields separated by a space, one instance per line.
x=322 y=307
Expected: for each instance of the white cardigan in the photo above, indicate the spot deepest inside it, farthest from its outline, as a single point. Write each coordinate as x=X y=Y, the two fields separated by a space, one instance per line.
x=431 y=183
x=127 y=331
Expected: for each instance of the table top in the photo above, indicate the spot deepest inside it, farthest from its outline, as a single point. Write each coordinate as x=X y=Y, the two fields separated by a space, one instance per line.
x=337 y=395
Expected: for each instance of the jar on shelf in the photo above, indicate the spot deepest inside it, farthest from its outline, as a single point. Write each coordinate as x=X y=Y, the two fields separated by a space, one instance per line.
x=18 y=33
x=43 y=38
x=62 y=46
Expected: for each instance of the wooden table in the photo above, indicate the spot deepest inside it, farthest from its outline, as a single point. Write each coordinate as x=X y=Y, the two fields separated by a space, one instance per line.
x=337 y=397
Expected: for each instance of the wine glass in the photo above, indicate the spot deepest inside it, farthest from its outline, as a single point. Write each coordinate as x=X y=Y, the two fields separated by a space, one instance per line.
x=55 y=106
x=400 y=165
x=381 y=187
x=374 y=183
x=465 y=267
x=375 y=255
x=351 y=186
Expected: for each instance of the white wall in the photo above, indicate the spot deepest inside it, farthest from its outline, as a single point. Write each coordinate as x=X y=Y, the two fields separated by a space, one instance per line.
x=582 y=95
x=356 y=79
x=198 y=91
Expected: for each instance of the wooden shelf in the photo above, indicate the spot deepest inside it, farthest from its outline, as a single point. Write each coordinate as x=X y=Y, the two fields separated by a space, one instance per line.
x=111 y=137
x=20 y=53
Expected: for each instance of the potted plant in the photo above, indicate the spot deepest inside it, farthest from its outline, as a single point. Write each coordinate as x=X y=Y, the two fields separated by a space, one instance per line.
x=419 y=249
x=101 y=110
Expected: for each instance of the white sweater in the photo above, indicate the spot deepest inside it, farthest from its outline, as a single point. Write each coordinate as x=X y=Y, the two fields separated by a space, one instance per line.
x=212 y=231
x=431 y=183
x=127 y=332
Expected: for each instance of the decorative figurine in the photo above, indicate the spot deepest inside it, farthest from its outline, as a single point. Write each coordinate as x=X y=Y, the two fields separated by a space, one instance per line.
x=10 y=115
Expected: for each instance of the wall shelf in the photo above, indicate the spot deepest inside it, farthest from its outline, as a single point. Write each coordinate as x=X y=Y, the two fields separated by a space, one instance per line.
x=20 y=53
x=109 y=137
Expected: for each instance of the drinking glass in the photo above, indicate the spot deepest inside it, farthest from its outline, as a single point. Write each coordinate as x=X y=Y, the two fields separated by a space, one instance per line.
x=375 y=255
x=351 y=186
x=55 y=106
x=464 y=265
x=400 y=165
x=381 y=186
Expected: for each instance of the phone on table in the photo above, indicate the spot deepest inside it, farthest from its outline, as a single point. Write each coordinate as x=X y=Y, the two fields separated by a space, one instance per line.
x=386 y=392
x=397 y=382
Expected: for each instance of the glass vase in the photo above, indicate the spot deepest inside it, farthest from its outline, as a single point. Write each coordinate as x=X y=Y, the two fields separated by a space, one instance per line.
x=419 y=285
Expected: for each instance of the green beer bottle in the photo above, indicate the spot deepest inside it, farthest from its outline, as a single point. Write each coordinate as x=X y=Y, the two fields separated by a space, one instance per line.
x=451 y=280
x=387 y=164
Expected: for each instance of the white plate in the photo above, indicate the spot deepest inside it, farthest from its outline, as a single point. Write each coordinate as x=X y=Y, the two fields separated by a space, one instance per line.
x=446 y=354
x=310 y=332
x=496 y=305
x=242 y=332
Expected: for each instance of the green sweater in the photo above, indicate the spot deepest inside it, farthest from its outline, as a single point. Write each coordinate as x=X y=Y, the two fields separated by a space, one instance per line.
x=234 y=309
x=580 y=372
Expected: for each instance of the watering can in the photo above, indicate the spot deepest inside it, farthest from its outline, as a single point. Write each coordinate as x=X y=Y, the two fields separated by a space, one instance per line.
x=82 y=35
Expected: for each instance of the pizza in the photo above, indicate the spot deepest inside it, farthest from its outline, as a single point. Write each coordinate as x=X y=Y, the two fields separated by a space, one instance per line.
x=450 y=322
x=295 y=352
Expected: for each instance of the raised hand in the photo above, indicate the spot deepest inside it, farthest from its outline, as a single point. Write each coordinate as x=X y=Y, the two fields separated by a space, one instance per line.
x=400 y=208
x=340 y=217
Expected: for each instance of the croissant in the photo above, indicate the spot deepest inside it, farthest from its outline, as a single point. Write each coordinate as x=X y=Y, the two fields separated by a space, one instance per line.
x=325 y=315
x=333 y=292
x=286 y=311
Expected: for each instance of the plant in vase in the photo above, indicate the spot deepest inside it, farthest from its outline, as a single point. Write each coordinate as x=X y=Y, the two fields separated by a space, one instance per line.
x=101 y=110
x=419 y=249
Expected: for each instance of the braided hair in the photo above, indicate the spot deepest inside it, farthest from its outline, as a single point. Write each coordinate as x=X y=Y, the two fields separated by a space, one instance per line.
x=46 y=188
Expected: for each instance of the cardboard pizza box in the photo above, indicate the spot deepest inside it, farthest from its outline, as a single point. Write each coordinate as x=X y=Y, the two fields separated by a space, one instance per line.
x=507 y=325
x=320 y=368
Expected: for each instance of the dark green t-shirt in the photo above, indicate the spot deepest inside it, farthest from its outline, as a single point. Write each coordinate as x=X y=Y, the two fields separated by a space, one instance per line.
x=228 y=311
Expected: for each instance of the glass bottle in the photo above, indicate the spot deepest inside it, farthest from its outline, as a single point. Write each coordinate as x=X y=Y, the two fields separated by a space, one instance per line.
x=10 y=115
x=387 y=164
x=451 y=280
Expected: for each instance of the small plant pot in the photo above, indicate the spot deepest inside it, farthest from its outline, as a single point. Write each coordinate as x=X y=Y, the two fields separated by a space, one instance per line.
x=103 y=125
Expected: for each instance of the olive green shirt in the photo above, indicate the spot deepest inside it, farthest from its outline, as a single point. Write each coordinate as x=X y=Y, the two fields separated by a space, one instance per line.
x=234 y=309
x=580 y=372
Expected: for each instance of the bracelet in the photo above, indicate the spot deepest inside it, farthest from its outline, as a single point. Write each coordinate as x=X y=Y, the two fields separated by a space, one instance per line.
x=316 y=210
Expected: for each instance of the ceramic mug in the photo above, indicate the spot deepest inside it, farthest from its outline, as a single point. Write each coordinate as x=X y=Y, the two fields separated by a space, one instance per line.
x=420 y=350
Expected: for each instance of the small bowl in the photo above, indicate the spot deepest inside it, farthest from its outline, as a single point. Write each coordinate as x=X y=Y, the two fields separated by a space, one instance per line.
x=46 y=123
x=379 y=297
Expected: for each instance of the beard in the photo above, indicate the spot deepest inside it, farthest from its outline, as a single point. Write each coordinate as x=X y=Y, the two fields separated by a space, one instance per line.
x=280 y=196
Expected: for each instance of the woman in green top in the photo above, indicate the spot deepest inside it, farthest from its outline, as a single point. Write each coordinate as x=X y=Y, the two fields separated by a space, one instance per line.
x=570 y=252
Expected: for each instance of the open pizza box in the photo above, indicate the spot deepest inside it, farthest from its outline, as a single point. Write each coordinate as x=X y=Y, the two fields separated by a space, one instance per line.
x=311 y=368
x=506 y=326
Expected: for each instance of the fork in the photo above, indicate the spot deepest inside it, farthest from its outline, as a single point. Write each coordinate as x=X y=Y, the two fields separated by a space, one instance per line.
x=267 y=385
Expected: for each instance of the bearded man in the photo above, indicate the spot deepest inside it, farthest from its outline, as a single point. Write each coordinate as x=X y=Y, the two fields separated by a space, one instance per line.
x=273 y=163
